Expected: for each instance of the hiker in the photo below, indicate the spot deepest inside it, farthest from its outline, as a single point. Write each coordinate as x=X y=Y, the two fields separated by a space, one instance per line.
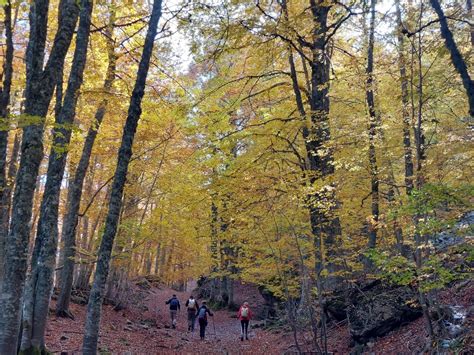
x=174 y=308
x=202 y=318
x=192 y=306
x=244 y=315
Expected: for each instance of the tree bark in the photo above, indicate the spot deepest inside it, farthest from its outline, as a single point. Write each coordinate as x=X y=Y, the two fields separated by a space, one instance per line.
x=470 y=17
x=373 y=125
x=408 y=157
x=325 y=223
x=7 y=194
x=456 y=57
x=75 y=189
x=39 y=90
x=4 y=102
x=103 y=261
x=40 y=281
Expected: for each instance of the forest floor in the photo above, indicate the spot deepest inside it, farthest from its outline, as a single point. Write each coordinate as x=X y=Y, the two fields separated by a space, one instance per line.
x=138 y=331
x=144 y=328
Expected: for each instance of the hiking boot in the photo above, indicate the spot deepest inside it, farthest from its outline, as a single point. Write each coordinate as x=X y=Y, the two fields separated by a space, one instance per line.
x=242 y=338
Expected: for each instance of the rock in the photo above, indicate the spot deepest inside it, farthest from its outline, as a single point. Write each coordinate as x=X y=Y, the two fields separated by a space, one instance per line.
x=377 y=308
x=336 y=307
x=79 y=299
x=128 y=328
x=257 y=325
x=271 y=302
x=63 y=338
x=454 y=235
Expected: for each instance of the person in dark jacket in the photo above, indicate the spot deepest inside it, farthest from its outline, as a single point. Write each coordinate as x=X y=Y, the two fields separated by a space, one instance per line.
x=202 y=318
x=174 y=308
x=192 y=306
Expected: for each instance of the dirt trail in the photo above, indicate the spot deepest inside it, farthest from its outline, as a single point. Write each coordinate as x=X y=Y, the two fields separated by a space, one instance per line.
x=222 y=333
x=135 y=331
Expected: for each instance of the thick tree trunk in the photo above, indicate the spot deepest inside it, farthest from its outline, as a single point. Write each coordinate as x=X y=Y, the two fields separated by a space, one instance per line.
x=325 y=224
x=4 y=102
x=456 y=57
x=75 y=189
x=103 y=261
x=408 y=157
x=39 y=90
x=40 y=281
x=373 y=125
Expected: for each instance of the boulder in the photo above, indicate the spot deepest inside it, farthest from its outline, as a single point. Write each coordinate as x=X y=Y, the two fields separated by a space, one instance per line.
x=336 y=307
x=377 y=308
x=270 y=305
x=454 y=235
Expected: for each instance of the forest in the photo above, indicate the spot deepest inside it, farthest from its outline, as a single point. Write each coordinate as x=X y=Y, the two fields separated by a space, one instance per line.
x=311 y=157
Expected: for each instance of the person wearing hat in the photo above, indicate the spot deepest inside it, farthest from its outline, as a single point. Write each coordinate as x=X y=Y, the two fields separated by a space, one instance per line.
x=244 y=315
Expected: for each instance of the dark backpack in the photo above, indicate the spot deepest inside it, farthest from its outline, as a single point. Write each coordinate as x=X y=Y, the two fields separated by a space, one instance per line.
x=202 y=313
x=174 y=302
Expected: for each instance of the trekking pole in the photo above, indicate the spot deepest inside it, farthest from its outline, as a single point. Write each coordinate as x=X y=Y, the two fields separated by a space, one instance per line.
x=214 y=326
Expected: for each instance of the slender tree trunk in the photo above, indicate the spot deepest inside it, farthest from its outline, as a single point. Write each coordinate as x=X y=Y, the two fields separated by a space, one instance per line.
x=103 y=261
x=7 y=194
x=83 y=239
x=40 y=282
x=373 y=125
x=4 y=102
x=470 y=17
x=405 y=102
x=40 y=86
x=157 y=259
x=75 y=189
x=456 y=57
x=419 y=134
x=214 y=246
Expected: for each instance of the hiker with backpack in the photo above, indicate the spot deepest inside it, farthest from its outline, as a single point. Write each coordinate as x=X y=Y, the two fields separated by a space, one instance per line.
x=244 y=315
x=174 y=308
x=192 y=307
x=202 y=319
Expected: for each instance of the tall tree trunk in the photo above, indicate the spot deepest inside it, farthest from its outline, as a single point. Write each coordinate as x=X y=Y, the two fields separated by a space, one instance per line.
x=405 y=102
x=456 y=57
x=4 y=102
x=471 y=18
x=7 y=193
x=325 y=224
x=40 y=281
x=103 y=261
x=373 y=125
x=419 y=133
x=40 y=86
x=75 y=189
